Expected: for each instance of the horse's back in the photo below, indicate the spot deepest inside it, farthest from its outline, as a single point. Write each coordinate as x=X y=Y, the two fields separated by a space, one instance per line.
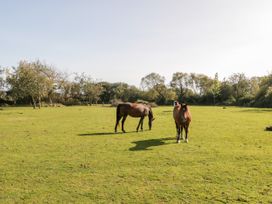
x=133 y=109
x=124 y=108
x=139 y=110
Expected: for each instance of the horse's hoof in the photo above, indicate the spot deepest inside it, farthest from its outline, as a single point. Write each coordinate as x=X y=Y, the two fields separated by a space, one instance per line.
x=186 y=140
x=178 y=141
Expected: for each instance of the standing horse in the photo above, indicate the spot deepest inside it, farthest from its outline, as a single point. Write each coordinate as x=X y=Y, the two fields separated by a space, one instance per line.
x=134 y=110
x=182 y=117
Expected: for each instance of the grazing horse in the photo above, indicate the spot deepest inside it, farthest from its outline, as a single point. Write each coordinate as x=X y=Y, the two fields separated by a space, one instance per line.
x=134 y=110
x=182 y=117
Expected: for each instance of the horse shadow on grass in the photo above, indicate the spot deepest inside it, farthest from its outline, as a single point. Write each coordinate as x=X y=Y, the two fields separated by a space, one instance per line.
x=103 y=133
x=147 y=144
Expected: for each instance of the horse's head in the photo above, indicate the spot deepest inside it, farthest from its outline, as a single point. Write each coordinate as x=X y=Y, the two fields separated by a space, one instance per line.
x=176 y=103
x=151 y=118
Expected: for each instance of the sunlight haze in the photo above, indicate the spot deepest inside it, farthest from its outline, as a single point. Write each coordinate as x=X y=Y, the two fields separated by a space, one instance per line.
x=122 y=41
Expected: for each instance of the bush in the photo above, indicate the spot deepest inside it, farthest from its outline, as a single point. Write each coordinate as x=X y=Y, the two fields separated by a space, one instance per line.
x=229 y=102
x=152 y=104
x=72 y=101
x=4 y=105
x=115 y=102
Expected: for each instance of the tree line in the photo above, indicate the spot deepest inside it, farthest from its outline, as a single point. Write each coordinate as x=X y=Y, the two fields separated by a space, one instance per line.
x=38 y=83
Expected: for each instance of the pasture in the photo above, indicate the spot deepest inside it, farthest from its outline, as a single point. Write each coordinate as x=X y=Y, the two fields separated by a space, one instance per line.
x=71 y=154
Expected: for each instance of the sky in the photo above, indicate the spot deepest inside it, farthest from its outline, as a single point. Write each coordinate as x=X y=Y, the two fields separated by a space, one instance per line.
x=124 y=40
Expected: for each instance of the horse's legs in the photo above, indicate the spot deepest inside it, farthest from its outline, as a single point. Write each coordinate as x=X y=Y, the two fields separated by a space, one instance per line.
x=186 y=133
x=123 y=121
x=178 y=133
x=177 y=127
x=117 y=122
x=181 y=133
x=140 y=123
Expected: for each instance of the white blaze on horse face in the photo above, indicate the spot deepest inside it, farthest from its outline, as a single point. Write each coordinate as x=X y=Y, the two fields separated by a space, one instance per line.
x=176 y=103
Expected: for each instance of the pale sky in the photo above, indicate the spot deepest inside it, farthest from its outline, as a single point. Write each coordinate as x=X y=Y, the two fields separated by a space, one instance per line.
x=124 y=40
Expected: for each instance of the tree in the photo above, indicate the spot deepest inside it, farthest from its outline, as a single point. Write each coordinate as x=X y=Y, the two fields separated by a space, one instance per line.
x=86 y=89
x=120 y=90
x=155 y=82
x=226 y=93
x=200 y=83
x=30 y=79
x=92 y=91
x=241 y=86
x=2 y=83
x=151 y=81
x=215 y=89
x=254 y=85
x=263 y=97
x=180 y=82
x=51 y=76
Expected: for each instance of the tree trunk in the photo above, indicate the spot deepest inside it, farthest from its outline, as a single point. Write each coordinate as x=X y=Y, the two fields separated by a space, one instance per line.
x=40 y=102
x=90 y=102
x=50 y=101
x=33 y=102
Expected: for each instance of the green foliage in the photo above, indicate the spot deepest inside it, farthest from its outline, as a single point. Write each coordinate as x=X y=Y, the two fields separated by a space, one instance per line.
x=31 y=80
x=240 y=84
x=38 y=82
x=180 y=82
x=2 y=83
x=263 y=97
x=87 y=89
x=156 y=89
x=152 y=80
x=71 y=155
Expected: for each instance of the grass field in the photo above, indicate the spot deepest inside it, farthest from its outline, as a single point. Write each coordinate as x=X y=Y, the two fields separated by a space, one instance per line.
x=70 y=154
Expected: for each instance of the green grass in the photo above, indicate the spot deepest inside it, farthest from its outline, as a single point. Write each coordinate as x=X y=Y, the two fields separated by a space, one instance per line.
x=70 y=154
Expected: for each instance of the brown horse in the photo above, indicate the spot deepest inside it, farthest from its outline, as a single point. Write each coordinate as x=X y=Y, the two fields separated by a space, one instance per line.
x=134 y=110
x=182 y=117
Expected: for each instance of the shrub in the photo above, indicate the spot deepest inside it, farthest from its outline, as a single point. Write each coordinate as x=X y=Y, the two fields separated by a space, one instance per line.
x=115 y=102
